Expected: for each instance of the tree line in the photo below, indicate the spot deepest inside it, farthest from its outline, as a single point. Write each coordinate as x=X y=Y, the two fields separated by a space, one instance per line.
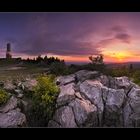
x=43 y=60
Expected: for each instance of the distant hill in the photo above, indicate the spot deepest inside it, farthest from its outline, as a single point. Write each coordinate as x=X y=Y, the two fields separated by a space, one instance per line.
x=126 y=64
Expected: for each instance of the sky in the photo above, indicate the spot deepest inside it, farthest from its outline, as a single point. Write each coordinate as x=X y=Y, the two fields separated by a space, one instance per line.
x=72 y=36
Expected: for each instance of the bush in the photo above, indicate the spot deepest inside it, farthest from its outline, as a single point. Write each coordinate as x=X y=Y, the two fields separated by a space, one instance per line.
x=44 y=99
x=96 y=67
x=117 y=72
x=3 y=97
x=136 y=77
x=59 y=68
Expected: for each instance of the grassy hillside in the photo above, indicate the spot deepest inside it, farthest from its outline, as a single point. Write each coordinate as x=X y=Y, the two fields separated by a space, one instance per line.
x=17 y=72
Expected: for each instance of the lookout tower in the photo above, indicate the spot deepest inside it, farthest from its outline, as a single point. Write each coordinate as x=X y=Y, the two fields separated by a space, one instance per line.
x=8 y=51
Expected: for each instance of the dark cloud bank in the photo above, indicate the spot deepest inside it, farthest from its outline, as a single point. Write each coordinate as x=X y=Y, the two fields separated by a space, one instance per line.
x=67 y=34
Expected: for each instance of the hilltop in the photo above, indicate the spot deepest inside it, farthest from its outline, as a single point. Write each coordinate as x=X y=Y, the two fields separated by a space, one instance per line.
x=86 y=99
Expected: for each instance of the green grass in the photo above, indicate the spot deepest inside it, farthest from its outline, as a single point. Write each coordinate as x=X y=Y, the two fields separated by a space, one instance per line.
x=6 y=74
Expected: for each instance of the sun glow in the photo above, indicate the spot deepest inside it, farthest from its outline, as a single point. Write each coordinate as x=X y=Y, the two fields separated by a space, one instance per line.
x=121 y=56
x=117 y=52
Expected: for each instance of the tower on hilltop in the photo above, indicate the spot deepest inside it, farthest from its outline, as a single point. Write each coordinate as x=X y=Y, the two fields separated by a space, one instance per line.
x=8 y=51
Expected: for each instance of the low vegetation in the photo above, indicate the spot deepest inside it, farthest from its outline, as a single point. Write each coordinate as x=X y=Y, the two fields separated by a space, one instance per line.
x=44 y=98
x=136 y=77
x=117 y=72
x=3 y=97
x=59 y=68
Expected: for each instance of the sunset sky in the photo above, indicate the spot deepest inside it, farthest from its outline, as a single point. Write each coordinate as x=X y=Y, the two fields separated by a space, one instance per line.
x=72 y=36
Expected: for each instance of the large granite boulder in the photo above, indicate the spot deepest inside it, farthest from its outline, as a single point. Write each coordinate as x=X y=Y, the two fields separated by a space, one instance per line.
x=64 y=117
x=85 y=75
x=127 y=112
x=85 y=113
x=123 y=83
x=11 y=115
x=91 y=90
x=13 y=118
x=67 y=94
x=113 y=115
x=132 y=108
x=104 y=80
x=63 y=80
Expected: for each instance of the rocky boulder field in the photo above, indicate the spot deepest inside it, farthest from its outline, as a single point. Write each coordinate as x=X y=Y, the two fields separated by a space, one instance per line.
x=90 y=99
x=12 y=113
x=86 y=99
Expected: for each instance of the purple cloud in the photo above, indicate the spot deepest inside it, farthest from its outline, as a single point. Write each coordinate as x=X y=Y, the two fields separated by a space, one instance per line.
x=118 y=28
x=124 y=37
x=65 y=47
x=64 y=33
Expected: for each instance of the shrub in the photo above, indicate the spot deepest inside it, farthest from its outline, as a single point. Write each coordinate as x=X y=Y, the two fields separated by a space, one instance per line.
x=59 y=68
x=117 y=72
x=136 y=77
x=44 y=99
x=3 y=97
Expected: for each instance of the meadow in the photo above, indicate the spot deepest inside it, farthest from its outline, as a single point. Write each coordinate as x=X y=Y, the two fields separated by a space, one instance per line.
x=16 y=72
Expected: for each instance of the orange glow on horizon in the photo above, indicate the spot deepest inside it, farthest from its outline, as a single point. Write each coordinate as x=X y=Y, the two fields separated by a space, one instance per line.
x=117 y=55
x=72 y=58
x=118 y=52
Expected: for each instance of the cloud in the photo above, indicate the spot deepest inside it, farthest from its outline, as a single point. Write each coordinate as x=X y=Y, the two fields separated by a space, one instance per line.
x=106 y=42
x=121 y=34
x=66 y=44
x=58 y=47
x=69 y=36
x=118 y=28
x=124 y=37
x=115 y=34
x=44 y=36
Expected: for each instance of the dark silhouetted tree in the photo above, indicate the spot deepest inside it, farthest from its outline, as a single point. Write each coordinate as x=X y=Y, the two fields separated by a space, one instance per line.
x=39 y=59
x=131 y=68
x=97 y=63
x=96 y=60
x=45 y=58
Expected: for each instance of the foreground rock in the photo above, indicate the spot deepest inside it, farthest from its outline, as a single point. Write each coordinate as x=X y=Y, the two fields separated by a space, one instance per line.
x=11 y=113
x=62 y=116
x=132 y=108
x=84 y=75
x=63 y=80
x=28 y=85
x=66 y=95
x=85 y=113
x=113 y=115
x=13 y=118
x=88 y=99
x=91 y=90
x=10 y=105
x=9 y=86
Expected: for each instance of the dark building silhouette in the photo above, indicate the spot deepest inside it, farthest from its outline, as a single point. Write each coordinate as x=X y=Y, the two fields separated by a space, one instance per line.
x=8 y=52
x=9 y=59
